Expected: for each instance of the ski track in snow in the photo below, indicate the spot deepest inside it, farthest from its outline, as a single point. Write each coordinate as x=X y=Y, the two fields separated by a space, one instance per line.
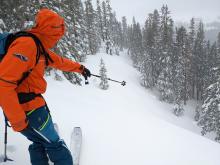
x=120 y=126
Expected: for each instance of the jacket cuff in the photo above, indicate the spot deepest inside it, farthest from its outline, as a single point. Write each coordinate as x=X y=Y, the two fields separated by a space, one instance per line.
x=81 y=68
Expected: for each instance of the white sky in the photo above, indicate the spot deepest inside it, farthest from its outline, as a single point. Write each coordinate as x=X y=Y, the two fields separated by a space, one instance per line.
x=181 y=10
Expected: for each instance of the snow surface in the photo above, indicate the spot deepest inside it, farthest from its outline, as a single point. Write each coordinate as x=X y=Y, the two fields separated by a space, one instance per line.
x=122 y=125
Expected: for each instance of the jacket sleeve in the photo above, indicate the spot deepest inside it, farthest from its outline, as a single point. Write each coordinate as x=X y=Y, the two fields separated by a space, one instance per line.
x=64 y=64
x=18 y=60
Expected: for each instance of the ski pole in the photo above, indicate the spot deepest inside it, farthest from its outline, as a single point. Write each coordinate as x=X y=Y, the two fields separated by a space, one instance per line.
x=123 y=83
x=5 y=141
x=86 y=80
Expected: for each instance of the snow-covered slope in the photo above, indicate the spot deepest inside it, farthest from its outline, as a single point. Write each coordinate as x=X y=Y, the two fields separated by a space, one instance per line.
x=121 y=125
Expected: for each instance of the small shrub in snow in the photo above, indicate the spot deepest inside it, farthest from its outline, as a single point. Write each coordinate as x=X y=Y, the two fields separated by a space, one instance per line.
x=58 y=77
x=178 y=109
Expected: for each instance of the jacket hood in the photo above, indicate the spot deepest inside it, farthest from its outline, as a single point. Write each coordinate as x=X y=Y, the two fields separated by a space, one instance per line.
x=49 y=27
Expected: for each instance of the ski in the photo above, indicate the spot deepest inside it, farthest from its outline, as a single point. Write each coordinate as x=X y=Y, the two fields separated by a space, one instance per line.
x=75 y=145
x=56 y=127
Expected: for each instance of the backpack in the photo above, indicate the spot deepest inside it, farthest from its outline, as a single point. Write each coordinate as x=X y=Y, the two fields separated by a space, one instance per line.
x=3 y=40
x=7 y=38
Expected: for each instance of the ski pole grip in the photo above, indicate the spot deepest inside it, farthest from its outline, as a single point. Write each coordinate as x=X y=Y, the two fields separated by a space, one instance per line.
x=86 y=80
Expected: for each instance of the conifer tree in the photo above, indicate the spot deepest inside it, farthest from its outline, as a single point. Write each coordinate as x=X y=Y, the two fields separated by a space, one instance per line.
x=80 y=39
x=104 y=81
x=93 y=39
x=150 y=65
x=99 y=17
x=2 y=26
x=112 y=30
x=165 y=79
x=199 y=53
x=136 y=48
x=210 y=108
x=124 y=32
x=13 y=14
x=209 y=117
x=105 y=21
x=180 y=81
x=192 y=58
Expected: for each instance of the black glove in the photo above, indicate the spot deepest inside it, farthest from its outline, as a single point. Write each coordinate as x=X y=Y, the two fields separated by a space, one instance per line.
x=85 y=72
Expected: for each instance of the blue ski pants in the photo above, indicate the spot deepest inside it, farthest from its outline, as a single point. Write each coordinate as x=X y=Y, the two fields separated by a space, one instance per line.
x=46 y=141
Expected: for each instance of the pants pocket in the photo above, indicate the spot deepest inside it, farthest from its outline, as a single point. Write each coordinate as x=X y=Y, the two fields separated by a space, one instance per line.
x=41 y=120
x=38 y=118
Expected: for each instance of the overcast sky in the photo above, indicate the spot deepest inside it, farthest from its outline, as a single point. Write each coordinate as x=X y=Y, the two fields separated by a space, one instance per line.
x=181 y=10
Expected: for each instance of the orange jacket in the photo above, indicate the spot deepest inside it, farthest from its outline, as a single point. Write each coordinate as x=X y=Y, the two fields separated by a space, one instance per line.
x=49 y=29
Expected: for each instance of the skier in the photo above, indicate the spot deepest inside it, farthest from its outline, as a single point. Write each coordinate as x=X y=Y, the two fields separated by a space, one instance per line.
x=23 y=104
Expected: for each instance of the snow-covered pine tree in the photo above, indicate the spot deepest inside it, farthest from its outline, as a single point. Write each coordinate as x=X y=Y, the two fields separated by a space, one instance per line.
x=116 y=34
x=112 y=29
x=165 y=79
x=118 y=38
x=124 y=32
x=165 y=84
x=179 y=75
x=136 y=49
x=146 y=72
x=209 y=65
x=2 y=26
x=155 y=47
x=187 y=65
x=93 y=37
x=105 y=21
x=213 y=63
x=31 y=7
x=107 y=15
x=104 y=81
x=99 y=20
x=148 y=67
x=79 y=36
x=110 y=19
x=210 y=114
x=199 y=55
x=13 y=14
x=130 y=37
x=192 y=59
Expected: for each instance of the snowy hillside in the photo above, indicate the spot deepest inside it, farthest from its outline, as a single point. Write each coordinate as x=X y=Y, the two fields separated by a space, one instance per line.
x=122 y=125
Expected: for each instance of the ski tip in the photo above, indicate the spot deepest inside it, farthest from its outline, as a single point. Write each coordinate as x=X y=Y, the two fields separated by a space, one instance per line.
x=77 y=129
